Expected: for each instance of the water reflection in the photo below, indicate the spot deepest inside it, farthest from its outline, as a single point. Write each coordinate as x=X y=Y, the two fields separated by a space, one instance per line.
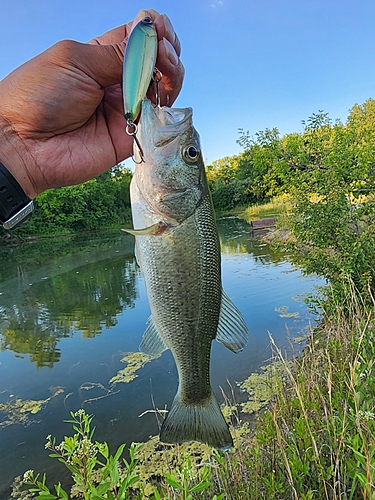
x=83 y=291
x=236 y=237
x=78 y=306
x=53 y=290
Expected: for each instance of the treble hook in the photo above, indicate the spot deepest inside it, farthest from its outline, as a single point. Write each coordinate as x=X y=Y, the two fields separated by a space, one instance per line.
x=130 y=125
x=157 y=76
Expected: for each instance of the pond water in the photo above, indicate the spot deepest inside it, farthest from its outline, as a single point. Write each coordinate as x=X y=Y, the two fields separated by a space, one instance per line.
x=72 y=308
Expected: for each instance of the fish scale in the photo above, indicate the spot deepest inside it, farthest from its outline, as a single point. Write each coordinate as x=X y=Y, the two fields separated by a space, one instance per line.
x=195 y=308
x=178 y=249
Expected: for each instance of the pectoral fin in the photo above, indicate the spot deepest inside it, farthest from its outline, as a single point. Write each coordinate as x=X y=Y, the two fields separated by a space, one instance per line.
x=154 y=229
x=157 y=228
x=232 y=331
x=152 y=344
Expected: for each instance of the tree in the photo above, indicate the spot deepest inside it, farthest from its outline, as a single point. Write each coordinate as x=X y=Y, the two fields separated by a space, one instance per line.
x=330 y=178
x=223 y=170
x=259 y=164
x=100 y=202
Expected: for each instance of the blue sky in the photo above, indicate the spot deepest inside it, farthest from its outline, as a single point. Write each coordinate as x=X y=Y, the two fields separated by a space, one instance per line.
x=250 y=64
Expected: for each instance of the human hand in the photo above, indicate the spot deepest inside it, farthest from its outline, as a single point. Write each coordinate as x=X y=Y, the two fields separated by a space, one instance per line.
x=61 y=113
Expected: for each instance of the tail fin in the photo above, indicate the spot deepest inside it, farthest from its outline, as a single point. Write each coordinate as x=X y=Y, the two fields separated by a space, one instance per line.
x=204 y=423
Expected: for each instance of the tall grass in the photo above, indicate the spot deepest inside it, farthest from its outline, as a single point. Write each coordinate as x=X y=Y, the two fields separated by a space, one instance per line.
x=276 y=207
x=316 y=439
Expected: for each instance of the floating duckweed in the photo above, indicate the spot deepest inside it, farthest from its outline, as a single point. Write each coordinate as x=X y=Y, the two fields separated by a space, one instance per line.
x=283 y=310
x=299 y=340
x=157 y=458
x=31 y=406
x=134 y=362
x=18 y=488
x=261 y=387
x=103 y=392
x=19 y=411
x=300 y=297
x=228 y=411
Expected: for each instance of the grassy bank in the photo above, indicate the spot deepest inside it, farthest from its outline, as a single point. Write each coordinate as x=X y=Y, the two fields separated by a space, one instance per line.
x=278 y=206
x=315 y=439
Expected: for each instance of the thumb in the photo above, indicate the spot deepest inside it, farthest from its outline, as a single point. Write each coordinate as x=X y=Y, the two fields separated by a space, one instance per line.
x=101 y=63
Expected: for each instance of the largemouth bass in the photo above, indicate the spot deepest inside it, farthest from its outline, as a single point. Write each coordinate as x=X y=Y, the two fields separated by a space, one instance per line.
x=178 y=249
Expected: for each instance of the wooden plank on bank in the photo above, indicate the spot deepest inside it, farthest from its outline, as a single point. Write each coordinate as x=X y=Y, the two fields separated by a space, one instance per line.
x=263 y=223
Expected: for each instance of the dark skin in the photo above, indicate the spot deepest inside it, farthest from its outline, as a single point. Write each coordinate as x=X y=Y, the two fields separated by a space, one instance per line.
x=61 y=113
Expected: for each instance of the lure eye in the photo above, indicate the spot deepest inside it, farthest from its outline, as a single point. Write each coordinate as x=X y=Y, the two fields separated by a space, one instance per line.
x=191 y=154
x=147 y=20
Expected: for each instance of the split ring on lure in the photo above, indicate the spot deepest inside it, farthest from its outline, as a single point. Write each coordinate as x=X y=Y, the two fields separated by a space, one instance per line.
x=138 y=66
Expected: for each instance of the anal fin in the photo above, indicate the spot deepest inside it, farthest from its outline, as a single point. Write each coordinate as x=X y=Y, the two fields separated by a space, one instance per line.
x=152 y=344
x=232 y=330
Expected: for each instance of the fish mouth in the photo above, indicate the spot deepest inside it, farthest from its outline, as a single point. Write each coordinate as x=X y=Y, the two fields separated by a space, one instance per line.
x=165 y=123
x=169 y=184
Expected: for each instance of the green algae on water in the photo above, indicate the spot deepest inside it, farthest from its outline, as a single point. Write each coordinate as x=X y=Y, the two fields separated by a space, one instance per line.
x=262 y=387
x=101 y=391
x=300 y=339
x=158 y=458
x=283 y=310
x=134 y=362
x=19 y=411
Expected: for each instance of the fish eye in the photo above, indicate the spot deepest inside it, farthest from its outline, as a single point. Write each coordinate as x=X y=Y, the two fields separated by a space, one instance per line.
x=191 y=154
x=147 y=20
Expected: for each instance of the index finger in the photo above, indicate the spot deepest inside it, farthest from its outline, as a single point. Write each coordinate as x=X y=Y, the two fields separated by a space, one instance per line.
x=113 y=36
x=118 y=35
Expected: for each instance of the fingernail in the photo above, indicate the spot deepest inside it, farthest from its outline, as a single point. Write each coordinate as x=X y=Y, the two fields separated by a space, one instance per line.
x=170 y=52
x=141 y=14
x=169 y=31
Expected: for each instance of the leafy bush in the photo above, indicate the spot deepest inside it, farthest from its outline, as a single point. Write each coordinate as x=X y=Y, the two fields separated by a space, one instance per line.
x=98 y=203
x=332 y=184
x=95 y=472
x=97 y=475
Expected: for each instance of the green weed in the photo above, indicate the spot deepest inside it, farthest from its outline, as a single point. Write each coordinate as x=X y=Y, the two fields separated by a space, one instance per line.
x=315 y=440
x=96 y=474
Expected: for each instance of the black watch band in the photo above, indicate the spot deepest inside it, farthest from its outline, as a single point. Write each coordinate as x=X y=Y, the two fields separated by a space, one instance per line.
x=15 y=205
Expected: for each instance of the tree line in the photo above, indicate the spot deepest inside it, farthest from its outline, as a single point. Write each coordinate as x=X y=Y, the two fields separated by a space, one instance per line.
x=329 y=171
x=99 y=203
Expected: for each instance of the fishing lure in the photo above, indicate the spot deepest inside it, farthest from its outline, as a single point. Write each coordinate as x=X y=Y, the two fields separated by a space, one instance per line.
x=137 y=72
x=138 y=66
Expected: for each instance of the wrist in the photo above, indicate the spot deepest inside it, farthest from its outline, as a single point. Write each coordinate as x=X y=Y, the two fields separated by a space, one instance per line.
x=16 y=189
x=15 y=205
x=16 y=160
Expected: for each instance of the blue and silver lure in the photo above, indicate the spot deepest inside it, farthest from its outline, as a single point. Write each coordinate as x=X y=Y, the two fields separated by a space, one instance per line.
x=138 y=66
